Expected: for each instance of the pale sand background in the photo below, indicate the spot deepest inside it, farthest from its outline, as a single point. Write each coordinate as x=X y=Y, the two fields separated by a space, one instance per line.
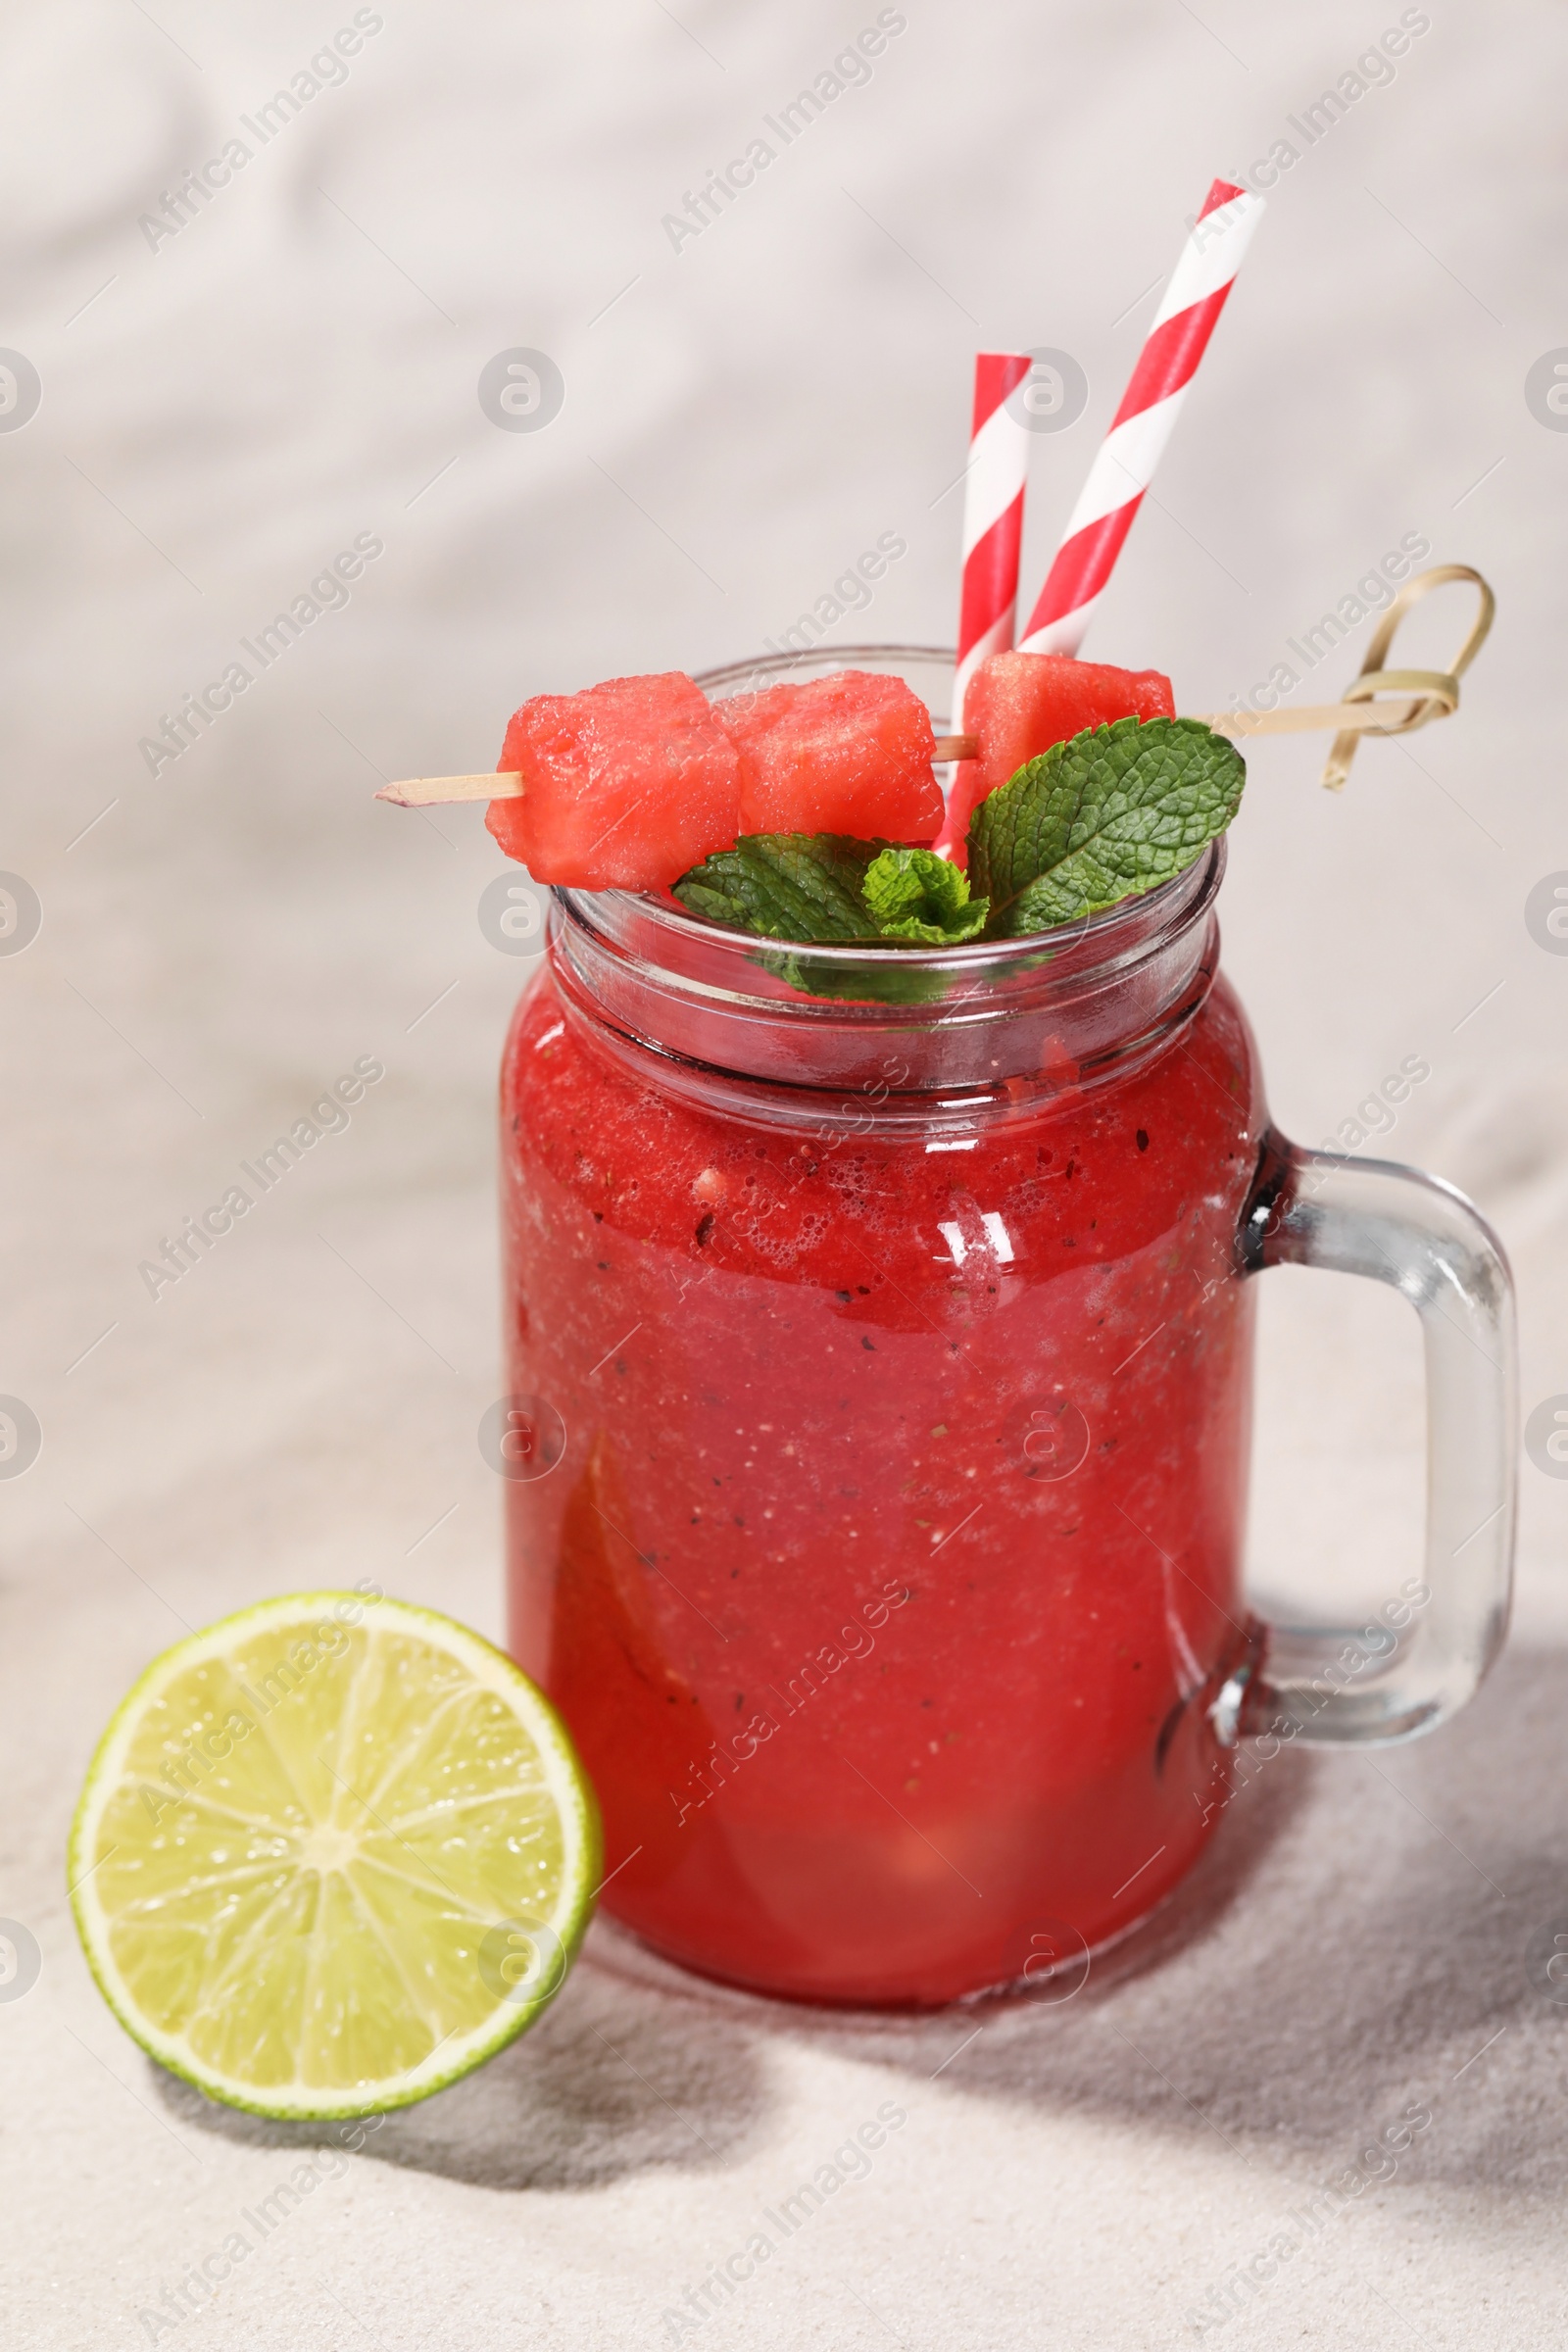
x=742 y=418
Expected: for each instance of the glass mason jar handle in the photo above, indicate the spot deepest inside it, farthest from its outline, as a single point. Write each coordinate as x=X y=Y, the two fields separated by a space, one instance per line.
x=1414 y=1668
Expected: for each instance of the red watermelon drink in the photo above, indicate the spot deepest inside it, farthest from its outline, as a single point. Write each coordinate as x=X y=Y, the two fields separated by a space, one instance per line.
x=884 y=1559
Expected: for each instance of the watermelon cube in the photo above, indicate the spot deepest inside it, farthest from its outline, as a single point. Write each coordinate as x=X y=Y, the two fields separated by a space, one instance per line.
x=846 y=753
x=1021 y=703
x=626 y=786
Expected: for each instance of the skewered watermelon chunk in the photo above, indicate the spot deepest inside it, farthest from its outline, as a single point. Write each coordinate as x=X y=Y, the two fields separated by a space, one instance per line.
x=1021 y=703
x=627 y=786
x=846 y=753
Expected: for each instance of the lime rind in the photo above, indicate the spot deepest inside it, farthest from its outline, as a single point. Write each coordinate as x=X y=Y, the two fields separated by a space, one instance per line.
x=478 y=1671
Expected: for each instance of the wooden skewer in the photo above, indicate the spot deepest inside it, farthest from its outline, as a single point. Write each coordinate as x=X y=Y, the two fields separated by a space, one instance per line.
x=424 y=792
x=1411 y=698
x=428 y=792
x=1346 y=718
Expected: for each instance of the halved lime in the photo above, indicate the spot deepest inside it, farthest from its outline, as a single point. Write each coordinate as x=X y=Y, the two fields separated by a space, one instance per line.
x=331 y=1854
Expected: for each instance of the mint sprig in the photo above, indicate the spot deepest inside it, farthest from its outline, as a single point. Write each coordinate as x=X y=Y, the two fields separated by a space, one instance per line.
x=1105 y=817
x=826 y=888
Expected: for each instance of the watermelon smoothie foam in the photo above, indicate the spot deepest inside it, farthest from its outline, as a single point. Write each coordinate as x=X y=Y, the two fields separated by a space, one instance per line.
x=879 y=1359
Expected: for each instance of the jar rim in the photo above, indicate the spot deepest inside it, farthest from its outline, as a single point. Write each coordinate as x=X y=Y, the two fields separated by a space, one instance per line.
x=826 y=659
x=1142 y=911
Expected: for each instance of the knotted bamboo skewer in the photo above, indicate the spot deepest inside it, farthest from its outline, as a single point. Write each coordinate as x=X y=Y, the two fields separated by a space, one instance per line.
x=1410 y=699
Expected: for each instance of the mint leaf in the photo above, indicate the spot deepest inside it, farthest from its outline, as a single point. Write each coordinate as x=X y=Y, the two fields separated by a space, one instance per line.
x=1101 y=817
x=799 y=886
x=917 y=896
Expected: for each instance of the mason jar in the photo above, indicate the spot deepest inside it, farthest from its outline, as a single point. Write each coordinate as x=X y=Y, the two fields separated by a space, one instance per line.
x=878 y=1415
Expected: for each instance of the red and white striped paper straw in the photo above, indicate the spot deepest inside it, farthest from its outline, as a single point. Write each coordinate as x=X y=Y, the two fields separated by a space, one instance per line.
x=1125 y=461
x=992 y=518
